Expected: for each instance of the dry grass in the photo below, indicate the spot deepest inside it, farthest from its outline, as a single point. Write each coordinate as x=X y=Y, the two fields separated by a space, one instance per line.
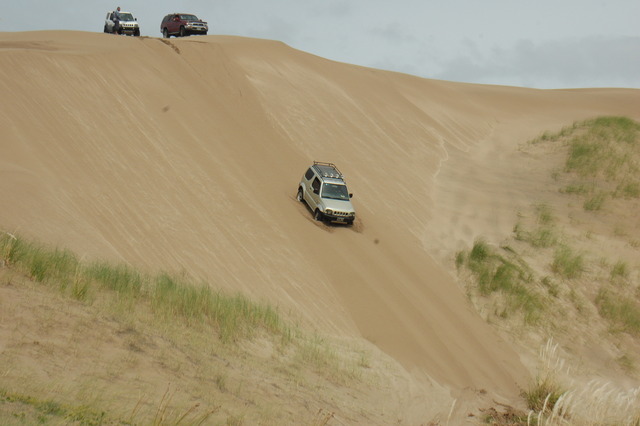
x=555 y=400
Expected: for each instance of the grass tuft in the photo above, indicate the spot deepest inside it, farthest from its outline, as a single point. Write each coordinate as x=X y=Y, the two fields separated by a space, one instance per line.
x=619 y=271
x=623 y=312
x=567 y=263
x=46 y=411
x=495 y=273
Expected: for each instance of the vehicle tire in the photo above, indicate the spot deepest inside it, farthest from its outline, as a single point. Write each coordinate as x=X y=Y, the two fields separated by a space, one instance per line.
x=300 y=196
x=204 y=33
x=350 y=223
x=165 y=33
x=136 y=33
x=105 y=29
x=317 y=215
x=183 y=32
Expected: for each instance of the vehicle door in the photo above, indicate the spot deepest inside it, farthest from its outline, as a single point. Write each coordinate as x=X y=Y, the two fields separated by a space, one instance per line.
x=108 y=22
x=314 y=194
x=174 y=24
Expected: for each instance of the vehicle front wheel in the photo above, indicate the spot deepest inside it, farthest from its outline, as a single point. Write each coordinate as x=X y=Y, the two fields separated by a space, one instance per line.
x=317 y=215
x=299 y=197
x=183 y=32
x=165 y=33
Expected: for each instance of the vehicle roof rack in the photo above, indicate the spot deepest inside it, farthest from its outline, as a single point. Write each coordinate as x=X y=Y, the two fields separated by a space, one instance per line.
x=329 y=170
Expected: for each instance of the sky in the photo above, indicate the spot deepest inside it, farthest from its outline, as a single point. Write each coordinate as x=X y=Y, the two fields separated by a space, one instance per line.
x=545 y=44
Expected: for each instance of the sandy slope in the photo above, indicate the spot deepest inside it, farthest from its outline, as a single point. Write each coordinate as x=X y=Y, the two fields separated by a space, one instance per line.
x=184 y=155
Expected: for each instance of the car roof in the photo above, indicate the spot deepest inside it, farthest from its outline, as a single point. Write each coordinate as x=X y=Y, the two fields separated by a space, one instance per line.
x=327 y=170
x=334 y=181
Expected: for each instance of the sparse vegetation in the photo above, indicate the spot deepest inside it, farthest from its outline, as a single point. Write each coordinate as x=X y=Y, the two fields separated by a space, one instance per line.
x=623 y=312
x=567 y=263
x=507 y=275
x=29 y=410
x=603 y=156
x=544 y=233
x=596 y=403
x=233 y=316
x=602 y=167
x=173 y=306
x=543 y=395
x=595 y=201
x=619 y=271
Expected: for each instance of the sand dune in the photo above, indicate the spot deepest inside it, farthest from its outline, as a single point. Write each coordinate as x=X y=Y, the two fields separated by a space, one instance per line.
x=184 y=155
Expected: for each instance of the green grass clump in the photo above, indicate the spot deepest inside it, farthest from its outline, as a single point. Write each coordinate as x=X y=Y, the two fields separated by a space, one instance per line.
x=544 y=213
x=30 y=410
x=578 y=189
x=567 y=263
x=122 y=279
x=623 y=312
x=233 y=316
x=595 y=201
x=604 y=147
x=544 y=234
x=606 y=152
x=604 y=158
x=619 y=271
x=494 y=273
x=542 y=395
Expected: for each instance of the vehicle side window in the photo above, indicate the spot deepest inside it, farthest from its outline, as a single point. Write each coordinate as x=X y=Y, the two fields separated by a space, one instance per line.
x=309 y=174
x=316 y=185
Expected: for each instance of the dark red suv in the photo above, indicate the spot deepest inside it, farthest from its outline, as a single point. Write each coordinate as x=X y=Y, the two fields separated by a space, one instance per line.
x=182 y=24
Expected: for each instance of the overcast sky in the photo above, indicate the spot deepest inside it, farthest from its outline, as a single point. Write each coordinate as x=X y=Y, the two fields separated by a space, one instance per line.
x=543 y=44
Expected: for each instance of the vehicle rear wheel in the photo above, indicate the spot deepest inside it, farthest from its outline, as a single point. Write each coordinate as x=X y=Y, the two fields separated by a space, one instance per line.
x=317 y=215
x=183 y=32
x=106 y=30
x=299 y=197
x=165 y=33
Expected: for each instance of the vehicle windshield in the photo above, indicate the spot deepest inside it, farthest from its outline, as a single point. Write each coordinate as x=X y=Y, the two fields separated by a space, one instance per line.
x=126 y=17
x=189 y=17
x=335 y=191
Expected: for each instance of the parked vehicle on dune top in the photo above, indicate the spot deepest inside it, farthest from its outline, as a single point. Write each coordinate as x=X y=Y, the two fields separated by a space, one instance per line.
x=182 y=24
x=128 y=24
x=324 y=189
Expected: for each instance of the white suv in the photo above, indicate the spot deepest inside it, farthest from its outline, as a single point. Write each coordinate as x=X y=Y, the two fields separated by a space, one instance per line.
x=324 y=190
x=128 y=24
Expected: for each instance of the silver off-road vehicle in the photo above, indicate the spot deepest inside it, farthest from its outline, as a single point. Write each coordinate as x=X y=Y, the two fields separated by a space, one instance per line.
x=325 y=191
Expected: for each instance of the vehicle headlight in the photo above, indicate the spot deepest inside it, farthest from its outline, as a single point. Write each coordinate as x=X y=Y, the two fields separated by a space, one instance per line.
x=328 y=211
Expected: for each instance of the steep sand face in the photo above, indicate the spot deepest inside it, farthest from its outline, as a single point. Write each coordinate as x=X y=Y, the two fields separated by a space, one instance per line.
x=184 y=155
